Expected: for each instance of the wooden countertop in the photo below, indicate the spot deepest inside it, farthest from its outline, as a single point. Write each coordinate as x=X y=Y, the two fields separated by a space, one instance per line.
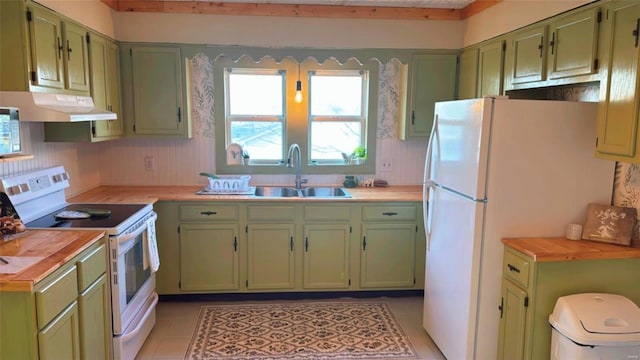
x=151 y=194
x=56 y=246
x=561 y=249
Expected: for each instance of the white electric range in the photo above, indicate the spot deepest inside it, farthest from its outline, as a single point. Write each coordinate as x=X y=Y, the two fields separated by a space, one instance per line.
x=38 y=199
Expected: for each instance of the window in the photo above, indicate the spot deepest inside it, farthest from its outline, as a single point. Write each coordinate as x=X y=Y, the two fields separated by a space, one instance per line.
x=255 y=112
x=259 y=113
x=337 y=114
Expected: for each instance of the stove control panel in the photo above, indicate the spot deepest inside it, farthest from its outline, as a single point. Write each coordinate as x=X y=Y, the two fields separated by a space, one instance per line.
x=40 y=183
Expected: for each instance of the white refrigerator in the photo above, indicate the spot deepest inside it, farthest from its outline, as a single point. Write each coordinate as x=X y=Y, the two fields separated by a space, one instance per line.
x=498 y=168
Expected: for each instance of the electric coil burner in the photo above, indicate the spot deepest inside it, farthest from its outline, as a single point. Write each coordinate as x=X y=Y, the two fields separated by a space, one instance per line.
x=38 y=199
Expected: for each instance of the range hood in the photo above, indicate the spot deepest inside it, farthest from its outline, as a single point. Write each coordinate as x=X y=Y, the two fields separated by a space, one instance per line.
x=48 y=107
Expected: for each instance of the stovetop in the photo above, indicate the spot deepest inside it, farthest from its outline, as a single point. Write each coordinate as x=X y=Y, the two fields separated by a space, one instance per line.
x=119 y=218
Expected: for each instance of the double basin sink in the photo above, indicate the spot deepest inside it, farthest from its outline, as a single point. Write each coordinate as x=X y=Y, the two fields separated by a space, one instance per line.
x=315 y=192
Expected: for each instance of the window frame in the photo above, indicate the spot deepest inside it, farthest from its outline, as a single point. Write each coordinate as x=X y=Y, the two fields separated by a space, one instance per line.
x=297 y=115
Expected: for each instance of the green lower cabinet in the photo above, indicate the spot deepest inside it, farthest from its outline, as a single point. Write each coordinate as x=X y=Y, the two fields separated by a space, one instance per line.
x=60 y=339
x=326 y=256
x=209 y=257
x=513 y=321
x=94 y=312
x=271 y=256
x=388 y=255
x=530 y=290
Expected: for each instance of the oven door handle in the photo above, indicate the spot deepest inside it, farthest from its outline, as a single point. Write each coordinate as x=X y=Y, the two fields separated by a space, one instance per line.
x=128 y=237
x=138 y=327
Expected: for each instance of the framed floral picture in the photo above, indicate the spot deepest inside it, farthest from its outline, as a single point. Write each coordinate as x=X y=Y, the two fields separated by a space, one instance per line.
x=612 y=224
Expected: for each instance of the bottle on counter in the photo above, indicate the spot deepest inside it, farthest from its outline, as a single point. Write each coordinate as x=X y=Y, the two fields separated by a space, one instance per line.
x=350 y=182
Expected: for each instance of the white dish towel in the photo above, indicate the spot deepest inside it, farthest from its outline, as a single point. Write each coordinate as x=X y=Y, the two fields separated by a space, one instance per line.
x=152 y=245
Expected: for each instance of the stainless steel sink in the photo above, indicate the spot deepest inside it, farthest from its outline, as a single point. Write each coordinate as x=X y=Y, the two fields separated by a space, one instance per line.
x=325 y=192
x=276 y=191
x=316 y=192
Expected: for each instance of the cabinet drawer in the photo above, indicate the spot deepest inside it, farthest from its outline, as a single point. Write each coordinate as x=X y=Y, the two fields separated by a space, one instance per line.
x=91 y=267
x=209 y=212
x=271 y=212
x=516 y=268
x=393 y=212
x=327 y=213
x=56 y=295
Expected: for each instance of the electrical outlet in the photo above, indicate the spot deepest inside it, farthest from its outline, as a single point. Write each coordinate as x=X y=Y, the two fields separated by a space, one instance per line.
x=149 y=163
x=387 y=165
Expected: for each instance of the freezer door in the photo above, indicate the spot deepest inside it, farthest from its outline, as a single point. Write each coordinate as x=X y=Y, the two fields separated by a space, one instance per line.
x=454 y=239
x=457 y=154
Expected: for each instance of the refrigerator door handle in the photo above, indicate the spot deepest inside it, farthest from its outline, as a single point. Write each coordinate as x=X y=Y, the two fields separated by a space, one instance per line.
x=427 y=207
x=432 y=140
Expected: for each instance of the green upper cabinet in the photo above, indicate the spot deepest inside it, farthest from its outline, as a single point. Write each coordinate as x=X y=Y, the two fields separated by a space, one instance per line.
x=526 y=55
x=618 y=134
x=432 y=78
x=59 y=52
x=468 y=73
x=573 y=44
x=491 y=68
x=105 y=90
x=154 y=92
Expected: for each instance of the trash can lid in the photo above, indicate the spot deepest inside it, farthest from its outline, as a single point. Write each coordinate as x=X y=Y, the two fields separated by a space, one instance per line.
x=597 y=319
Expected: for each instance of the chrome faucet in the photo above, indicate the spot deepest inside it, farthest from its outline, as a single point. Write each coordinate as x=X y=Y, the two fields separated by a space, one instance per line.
x=294 y=149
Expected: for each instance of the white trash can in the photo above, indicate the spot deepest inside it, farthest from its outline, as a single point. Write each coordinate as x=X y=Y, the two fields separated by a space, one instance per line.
x=595 y=326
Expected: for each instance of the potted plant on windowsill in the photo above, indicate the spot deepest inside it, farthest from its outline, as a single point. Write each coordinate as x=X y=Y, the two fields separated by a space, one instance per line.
x=359 y=155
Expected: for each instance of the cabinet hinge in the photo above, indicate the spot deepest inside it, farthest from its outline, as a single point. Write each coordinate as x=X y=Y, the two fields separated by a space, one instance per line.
x=349 y=282
x=416 y=228
x=501 y=307
x=88 y=38
x=526 y=301
x=596 y=141
x=29 y=16
x=350 y=229
x=179 y=284
x=246 y=283
x=93 y=130
x=33 y=76
x=504 y=46
x=596 y=64
x=134 y=127
x=414 y=281
x=130 y=52
x=246 y=229
x=178 y=229
x=599 y=17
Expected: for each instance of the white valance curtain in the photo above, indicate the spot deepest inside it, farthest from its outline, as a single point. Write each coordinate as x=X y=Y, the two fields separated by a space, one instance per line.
x=202 y=104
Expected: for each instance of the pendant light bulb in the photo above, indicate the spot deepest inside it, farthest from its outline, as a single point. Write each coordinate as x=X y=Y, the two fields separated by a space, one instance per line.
x=299 y=91
x=298 y=97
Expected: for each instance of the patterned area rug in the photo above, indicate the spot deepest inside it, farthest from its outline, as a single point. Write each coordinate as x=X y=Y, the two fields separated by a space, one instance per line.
x=318 y=330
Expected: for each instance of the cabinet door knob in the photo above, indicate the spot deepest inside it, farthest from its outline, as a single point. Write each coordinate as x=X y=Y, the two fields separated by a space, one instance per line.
x=636 y=32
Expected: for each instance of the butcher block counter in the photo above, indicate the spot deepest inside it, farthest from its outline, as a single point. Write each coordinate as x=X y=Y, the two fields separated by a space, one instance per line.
x=55 y=247
x=561 y=249
x=152 y=194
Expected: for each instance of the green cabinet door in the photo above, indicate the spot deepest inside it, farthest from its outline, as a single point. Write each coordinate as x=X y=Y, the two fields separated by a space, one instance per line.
x=573 y=44
x=512 y=321
x=158 y=87
x=491 y=69
x=526 y=53
x=76 y=57
x=270 y=257
x=326 y=256
x=209 y=257
x=468 y=77
x=60 y=338
x=387 y=255
x=432 y=78
x=47 y=49
x=95 y=320
x=618 y=110
x=114 y=102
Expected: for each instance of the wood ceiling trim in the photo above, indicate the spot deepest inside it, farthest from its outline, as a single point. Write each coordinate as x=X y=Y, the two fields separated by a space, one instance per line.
x=299 y=10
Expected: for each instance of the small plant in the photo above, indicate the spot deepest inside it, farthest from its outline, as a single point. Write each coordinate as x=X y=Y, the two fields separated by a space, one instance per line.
x=359 y=152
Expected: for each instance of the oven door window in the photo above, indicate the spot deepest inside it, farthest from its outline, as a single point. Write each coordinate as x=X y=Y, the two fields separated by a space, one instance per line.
x=133 y=269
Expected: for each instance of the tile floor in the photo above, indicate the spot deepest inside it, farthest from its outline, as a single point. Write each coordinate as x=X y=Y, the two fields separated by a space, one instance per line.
x=175 y=322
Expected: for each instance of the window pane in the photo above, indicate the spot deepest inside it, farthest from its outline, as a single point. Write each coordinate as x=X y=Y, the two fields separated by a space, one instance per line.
x=255 y=94
x=336 y=95
x=262 y=140
x=330 y=139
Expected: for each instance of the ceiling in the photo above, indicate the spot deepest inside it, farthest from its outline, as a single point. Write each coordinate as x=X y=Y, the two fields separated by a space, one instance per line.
x=447 y=4
x=352 y=9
